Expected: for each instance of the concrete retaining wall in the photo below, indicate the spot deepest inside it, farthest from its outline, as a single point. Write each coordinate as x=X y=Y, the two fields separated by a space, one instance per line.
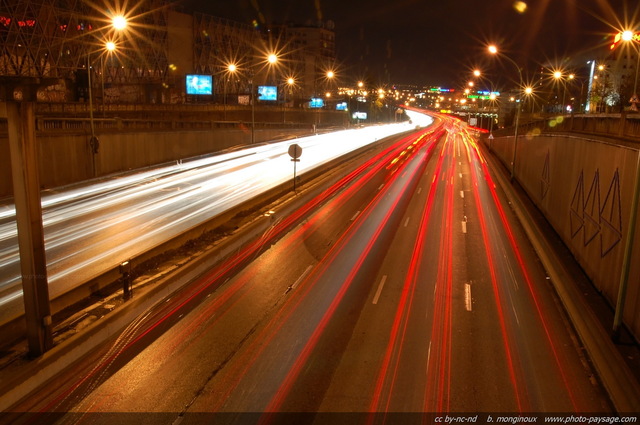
x=66 y=158
x=585 y=190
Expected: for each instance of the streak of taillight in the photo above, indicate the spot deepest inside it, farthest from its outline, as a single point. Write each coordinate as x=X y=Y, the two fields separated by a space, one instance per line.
x=404 y=306
x=294 y=372
x=269 y=332
x=494 y=285
x=528 y=280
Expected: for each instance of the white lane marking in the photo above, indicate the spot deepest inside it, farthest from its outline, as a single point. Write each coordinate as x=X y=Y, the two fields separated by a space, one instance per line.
x=355 y=215
x=467 y=296
x=513 y=307
x=302 y=276
x=464 y=227
x=460 y=174
x=406 y=222
x=428 y=357
x=419 y=190
x=462 y=194
x=381 y=186
x=379 y=291
x=458 y=150
x=434 y=179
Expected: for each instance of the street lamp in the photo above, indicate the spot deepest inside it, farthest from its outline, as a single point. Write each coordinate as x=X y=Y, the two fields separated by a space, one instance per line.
x=558 y=76
x=272 y=59
x=231 y=70
x=494 y=51
x=119 y=23
x=629 y=36
x=290 y=83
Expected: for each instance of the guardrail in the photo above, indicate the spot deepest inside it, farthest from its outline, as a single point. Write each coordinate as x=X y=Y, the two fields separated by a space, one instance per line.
x=103 y=125
x=620 y=126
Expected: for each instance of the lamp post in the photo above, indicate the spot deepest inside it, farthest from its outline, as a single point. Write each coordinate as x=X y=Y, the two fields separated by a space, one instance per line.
x=231 y=69
x=119 y=23
x=559 y=77
x=492 y=99
x=329 y=76
x=272 y=59
x=626 y=261
x=290 y=83
x=494 y=51
x=360 y=86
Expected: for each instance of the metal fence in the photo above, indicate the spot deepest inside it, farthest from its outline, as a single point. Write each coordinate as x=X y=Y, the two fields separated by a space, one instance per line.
x=625 y=127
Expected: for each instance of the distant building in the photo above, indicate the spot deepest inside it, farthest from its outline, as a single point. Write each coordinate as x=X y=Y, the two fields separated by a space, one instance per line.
x=310 y=55
x=613 y=80
x=66 y=40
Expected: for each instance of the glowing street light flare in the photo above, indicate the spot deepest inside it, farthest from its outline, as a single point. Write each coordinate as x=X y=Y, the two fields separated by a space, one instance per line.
x=119 y=22
x=232 y=67
x=494 y=50
x=272 y=58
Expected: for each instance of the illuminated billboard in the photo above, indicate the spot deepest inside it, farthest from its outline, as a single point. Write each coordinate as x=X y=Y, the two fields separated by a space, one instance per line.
x=316 y=102
x=359 y=115
x=199 y=84
x=269 y=93
x=342 y=106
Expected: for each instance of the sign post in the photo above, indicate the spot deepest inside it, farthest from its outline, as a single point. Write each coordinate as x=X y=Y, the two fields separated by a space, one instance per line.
x=294 y=152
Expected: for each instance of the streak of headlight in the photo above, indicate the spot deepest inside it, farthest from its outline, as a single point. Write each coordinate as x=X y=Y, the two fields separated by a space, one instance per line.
x=210 y=197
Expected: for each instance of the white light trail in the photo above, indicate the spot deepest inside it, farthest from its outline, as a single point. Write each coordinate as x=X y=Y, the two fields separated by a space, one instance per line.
x=92 y=228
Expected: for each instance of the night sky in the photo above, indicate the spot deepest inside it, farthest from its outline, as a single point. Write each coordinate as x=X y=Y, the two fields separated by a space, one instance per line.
x=439 y=42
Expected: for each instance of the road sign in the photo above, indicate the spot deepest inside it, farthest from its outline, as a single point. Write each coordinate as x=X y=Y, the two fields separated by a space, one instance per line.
x=295 y=151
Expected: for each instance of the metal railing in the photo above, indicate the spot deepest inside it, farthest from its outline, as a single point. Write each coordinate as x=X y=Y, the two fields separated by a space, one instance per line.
x=618 y=126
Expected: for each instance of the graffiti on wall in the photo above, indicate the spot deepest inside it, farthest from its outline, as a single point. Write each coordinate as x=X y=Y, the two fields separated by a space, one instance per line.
x=545 y=181
x=595 y=218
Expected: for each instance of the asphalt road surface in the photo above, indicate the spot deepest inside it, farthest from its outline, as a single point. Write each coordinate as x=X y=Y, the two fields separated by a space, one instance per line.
x=411 y=289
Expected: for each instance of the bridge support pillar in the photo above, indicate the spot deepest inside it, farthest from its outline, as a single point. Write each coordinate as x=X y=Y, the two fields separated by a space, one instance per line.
x=26 y=190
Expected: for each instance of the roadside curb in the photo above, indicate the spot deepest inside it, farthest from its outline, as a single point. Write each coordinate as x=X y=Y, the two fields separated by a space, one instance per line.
x=614 y=373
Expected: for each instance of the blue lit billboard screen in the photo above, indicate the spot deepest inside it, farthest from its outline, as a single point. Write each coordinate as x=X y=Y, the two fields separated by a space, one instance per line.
x=269 y=93
x=199 y=84
x=316 y=102
x=342 y=106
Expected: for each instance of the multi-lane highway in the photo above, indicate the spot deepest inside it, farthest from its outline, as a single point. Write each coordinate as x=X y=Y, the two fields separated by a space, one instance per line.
x=410 y=289
x=91 y=229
